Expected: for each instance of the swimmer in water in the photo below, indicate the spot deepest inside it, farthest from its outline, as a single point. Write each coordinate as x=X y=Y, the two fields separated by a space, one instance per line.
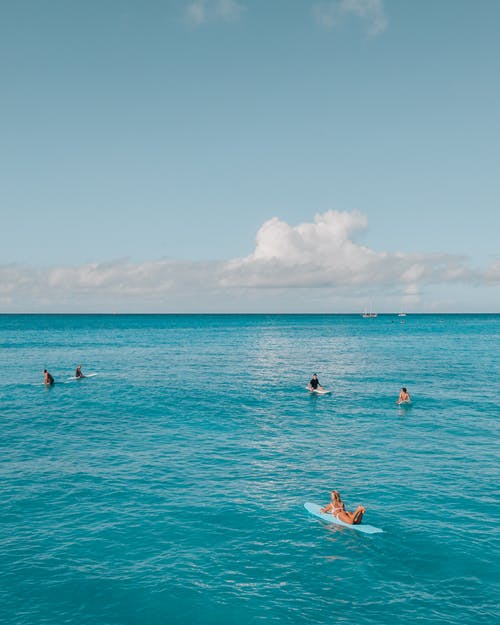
x=404 y=396
x=47 y=378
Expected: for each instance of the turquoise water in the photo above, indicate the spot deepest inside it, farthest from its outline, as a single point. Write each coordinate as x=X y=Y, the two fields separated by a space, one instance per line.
x=170 y=488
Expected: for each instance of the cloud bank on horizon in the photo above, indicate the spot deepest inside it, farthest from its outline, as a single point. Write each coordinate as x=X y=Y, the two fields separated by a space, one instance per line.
x=321 y=256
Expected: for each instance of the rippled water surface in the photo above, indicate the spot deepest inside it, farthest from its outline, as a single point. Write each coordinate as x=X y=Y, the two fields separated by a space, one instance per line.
x=170 y=488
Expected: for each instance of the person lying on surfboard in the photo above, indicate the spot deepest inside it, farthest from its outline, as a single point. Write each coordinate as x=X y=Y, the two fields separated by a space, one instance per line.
x=337 y=508
x=78 y=373
x=404 y=396
x=314 y=384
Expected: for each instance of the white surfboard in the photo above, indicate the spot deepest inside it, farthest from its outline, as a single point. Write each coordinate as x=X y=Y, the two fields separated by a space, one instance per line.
x=315 y=510
x=87 y=375
x=319 y=391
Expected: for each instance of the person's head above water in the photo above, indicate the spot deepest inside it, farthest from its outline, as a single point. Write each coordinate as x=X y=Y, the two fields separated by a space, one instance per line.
x=315 y=375
x=403 y=389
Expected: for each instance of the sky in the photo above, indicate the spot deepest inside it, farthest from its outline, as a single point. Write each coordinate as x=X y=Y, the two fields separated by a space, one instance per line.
x=199 y=156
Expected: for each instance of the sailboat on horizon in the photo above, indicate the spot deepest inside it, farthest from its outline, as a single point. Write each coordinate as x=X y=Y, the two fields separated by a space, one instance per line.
x=369 y=314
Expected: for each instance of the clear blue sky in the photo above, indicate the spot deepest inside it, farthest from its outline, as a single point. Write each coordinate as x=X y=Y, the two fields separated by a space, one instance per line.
x=136 y=133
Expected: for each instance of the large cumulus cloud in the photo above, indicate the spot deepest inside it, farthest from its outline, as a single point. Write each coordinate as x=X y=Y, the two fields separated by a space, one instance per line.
x=324 y=253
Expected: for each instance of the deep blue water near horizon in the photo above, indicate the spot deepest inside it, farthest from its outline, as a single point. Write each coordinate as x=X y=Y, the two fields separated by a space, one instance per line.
x=169 y=489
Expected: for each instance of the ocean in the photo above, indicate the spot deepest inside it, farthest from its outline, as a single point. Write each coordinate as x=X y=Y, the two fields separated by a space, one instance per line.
x=169 y=488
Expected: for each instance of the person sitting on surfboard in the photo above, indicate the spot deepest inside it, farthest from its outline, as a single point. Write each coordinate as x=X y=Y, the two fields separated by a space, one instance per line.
x=337 y=508
x=78 y=373
x=314 y=384
x=47 y=378
x=404 y=396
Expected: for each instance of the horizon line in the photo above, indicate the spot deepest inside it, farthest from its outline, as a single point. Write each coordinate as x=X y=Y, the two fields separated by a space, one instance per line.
x=360 y=314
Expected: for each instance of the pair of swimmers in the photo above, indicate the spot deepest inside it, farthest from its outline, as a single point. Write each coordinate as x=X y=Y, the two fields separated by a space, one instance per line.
x=48 y=379
x=314 y=385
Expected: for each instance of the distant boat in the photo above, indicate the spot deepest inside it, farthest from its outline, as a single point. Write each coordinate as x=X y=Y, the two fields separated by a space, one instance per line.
x=369 y=314
x=401 y=314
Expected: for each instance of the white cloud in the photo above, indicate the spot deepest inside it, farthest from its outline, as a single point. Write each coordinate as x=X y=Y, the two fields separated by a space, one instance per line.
x=203 y=11
x=330 y=13
x=118 y=285
x=324 y=254
x=413 y=273
x=320 y=259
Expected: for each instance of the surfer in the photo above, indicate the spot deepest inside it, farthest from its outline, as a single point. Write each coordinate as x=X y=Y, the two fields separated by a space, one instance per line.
x=314 y=384
x=47 y=378
x=337 y=508
x=404 y=396
x=78 y=373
